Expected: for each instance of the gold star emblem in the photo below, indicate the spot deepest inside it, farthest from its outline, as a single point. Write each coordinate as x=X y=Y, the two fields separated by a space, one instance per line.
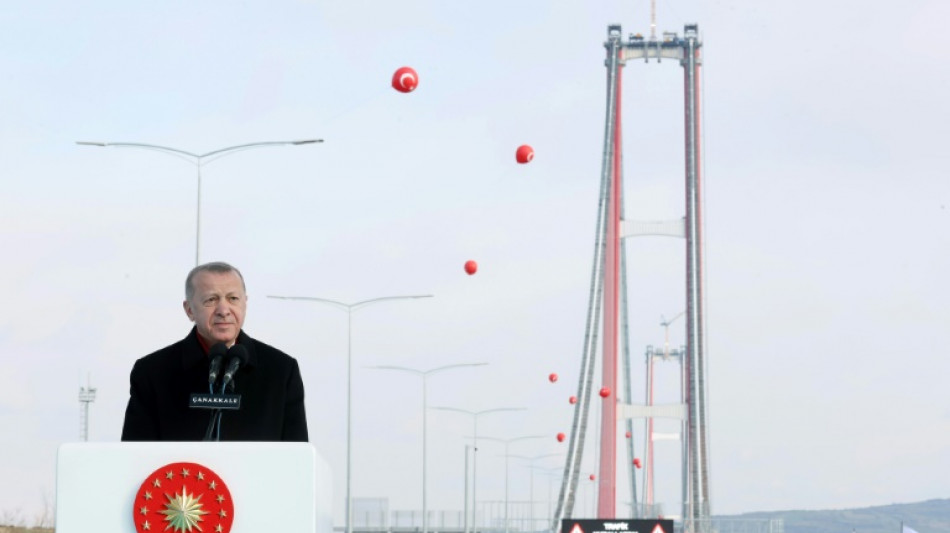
x=146 y=526
x=184 y=472
x=201 y=476
x=148 y=495
x=144 y=510
x=218 y=528
x=156 y=483
x=169 y=475
x=183 y=512
x=212 y=485
x=222 y=513
x=220 y=498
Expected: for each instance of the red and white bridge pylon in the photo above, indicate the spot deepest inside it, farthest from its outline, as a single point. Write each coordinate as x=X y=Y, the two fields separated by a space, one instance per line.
x=608 y=297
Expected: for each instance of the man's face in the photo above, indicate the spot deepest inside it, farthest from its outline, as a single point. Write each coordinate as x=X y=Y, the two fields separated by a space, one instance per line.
x=218 y=306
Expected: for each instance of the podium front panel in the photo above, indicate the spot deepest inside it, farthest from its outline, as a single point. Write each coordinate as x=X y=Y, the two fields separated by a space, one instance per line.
x=273 y=486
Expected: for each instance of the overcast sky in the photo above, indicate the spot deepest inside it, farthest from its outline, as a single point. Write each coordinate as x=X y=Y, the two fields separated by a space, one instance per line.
x=827 y=223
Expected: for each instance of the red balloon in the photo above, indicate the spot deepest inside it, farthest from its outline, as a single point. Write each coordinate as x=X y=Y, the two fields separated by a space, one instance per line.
x=560 y=437
x=593 y=477
x=405 y=80
x=524 y=154
x=552 y=378
x=636 y=462
x=471 y=267
x=573 y=400
x=604 y=392
x=628 y=435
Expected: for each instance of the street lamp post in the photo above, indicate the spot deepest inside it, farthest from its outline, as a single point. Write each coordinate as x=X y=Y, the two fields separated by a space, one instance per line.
x=467 y=446
x=425 y=375
x=198 y=160
x=350 y=308
x=475 y=415
x=551 y=473
x=507 y=443
x=531 y=461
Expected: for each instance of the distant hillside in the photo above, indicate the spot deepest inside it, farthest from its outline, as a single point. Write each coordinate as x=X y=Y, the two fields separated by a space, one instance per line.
x=931 y=516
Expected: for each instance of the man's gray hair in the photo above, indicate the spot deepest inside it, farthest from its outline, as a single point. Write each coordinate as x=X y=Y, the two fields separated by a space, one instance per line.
x=217 y=267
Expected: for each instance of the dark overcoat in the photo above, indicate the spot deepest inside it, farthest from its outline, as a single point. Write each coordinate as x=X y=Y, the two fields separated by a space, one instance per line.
x=271 y=389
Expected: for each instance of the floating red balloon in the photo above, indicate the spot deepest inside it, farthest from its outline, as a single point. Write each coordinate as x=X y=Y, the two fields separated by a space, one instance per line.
x=560 y=437
x=573 y=400
x=524 y=154
x=593 y=477
x=471 y=267
x=604 y=392
x=636 y=462
x=405 y=80
x=552 y=378
x=628 y=435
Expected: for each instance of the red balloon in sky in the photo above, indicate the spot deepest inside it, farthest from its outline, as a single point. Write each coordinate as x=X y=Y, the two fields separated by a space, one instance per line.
x=628 y=435
x=593 y=477
x=471 y=267
x=552 y=378
x=560 y=437
x=524 y=154
x=636 y=462
x=405 y=80
x=573 y=400
x=604 y=392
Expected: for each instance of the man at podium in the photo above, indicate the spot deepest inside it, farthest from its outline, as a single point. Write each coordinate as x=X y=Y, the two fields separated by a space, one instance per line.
x=267 y=380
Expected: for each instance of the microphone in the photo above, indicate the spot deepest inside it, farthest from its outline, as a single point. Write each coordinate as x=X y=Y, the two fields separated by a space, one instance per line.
x=216 y=353
x=238 y=356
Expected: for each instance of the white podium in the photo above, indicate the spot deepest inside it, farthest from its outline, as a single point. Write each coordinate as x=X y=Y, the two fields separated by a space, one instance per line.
x=273 y=486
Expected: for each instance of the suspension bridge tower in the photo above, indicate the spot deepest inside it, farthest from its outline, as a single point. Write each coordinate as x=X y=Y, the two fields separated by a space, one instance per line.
x=607 y=308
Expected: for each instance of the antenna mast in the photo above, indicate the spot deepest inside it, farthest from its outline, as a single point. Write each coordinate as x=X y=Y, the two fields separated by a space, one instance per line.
x=652 y=20
x=87 y=395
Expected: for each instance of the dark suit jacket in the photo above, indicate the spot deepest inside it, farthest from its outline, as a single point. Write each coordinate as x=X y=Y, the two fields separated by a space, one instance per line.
x=269 y=383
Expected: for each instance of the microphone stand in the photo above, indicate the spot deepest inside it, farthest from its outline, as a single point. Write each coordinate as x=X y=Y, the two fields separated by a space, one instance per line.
x=216 y=354
x=215 y=421
x=229 y=387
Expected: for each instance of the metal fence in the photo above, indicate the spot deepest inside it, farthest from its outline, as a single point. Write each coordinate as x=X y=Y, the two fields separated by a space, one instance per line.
x=732 y=525
x=525 y=518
